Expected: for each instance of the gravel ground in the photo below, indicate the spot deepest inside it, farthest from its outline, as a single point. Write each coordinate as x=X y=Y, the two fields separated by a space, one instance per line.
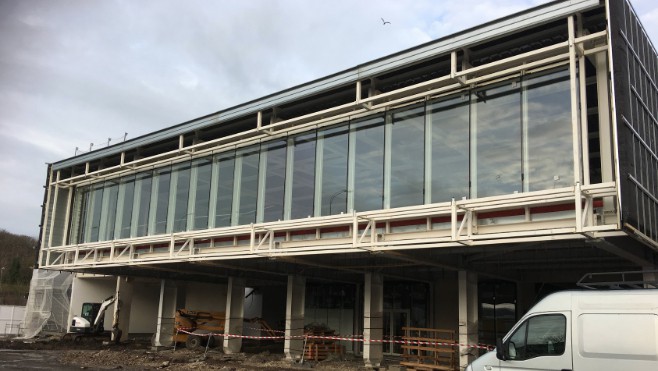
x=93 y=355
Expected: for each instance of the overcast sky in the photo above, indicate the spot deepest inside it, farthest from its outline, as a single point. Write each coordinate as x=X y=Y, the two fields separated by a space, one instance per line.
x=75 y=72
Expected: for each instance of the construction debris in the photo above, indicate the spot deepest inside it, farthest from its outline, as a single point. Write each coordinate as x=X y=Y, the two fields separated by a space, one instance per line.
x=318 y=348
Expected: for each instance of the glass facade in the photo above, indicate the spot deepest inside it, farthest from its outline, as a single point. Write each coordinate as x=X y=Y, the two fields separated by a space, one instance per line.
x=449 y=136
x=547 y=122
x=496 y=147
x=367 y=137
x=494 y=140
x=274 y=156
x=303 y=176
x=247 y=167
x=202 y=170
x=334 y=153
x=161 y=203
x=225 y=165
x=407 y=157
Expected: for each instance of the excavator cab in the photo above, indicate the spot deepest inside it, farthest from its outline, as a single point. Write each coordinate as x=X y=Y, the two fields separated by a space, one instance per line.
x=92 y=317
x=90 y=312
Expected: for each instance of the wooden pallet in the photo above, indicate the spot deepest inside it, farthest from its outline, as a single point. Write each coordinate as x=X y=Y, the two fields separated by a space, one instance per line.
x=429 y=356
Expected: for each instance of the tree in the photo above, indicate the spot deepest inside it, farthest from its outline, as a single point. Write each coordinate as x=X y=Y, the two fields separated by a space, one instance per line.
x=14 y=272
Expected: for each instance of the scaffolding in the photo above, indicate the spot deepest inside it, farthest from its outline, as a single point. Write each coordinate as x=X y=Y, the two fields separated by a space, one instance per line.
x=47 y=306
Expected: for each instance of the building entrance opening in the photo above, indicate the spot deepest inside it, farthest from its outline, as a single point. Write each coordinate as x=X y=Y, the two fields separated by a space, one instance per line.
x=394 y=322
x=406 y=304
x=497 y=309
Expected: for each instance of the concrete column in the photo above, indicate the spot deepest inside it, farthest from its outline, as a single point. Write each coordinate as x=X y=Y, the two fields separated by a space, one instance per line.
x=234 y=315
x=167 y=305
x=650 y=277
x=445 y=311
x=468 y=317
x=121 y=318
x=373 y=319
x=76 y=301
x=294 y=347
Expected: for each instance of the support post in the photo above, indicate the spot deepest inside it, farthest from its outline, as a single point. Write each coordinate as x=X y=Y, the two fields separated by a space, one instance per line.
x=651 y=277
x=164 y=330
x=122 y=305
x=234 y=315
x=294 y=342
x=373 y=313
x=468 y=314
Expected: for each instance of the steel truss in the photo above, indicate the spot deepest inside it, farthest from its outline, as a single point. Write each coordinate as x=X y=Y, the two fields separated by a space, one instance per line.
x=364 y=232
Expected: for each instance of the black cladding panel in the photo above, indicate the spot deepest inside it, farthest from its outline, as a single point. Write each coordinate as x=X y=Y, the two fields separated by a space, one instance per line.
x=635 y=71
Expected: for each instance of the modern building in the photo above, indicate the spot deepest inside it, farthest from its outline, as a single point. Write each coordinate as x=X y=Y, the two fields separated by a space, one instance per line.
x=450 y=186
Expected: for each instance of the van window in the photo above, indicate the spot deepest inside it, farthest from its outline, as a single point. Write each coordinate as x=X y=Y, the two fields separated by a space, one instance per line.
x=538 y=336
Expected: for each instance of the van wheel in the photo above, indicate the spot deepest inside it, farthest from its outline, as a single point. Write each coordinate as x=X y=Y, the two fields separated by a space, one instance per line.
x=193 y=342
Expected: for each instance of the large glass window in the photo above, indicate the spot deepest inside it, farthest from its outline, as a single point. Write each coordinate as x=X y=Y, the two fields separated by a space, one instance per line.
x=450 y=147
x=143 y=202
x=248 y=191
x=109 y=214
x=275 y=179
x=126 y=199
x=368 y=164
x=547 y=110
x=495 y=140
x=224 y=203
x=80 y=200
x=408 y=157
x=94 y=208
x=333 y=164
x=162 y=203
x=496 y=125
x=303 y=176
x=203 y=169
x=181 y=177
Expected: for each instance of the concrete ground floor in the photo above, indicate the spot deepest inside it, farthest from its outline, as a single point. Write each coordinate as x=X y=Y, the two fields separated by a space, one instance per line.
x=366 y=299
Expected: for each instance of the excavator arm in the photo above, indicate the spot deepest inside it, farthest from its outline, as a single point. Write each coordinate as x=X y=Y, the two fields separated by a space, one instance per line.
x=101 y=311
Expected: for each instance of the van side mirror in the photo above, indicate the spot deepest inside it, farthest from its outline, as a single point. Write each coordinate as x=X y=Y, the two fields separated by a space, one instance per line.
x=501 y=351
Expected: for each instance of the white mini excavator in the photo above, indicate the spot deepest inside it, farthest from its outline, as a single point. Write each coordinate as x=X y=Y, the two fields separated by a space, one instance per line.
x=91 y=321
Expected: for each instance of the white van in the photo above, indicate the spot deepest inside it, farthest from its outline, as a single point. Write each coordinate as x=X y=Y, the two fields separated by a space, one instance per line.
x=598 y=330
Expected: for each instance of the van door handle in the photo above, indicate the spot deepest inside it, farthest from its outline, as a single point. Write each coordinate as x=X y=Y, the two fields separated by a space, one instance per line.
x=566 y=369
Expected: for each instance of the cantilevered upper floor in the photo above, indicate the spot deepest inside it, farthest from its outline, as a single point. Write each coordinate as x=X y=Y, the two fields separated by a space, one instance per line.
x=540 y=126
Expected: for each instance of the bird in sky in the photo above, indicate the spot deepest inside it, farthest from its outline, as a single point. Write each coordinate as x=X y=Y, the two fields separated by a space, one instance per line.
x=384 y=23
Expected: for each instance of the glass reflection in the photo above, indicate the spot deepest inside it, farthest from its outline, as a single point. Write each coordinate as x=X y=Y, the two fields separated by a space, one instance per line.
x=248 y=184
x=368 y=164
x=334 y=161
x=225 y=172
x=162 y=203
x=549 y=162
x=127 y=190
x=181 y=177
x=496 y=122
x=408 y=157
x=275 y=179
x=143 y=201
x=202 y=195
x=303 y=176
x=450 y=158
x=112 y=192
x=80 y=201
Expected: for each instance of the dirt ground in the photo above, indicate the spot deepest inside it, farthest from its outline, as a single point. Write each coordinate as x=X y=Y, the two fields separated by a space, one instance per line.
x=138 y=355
